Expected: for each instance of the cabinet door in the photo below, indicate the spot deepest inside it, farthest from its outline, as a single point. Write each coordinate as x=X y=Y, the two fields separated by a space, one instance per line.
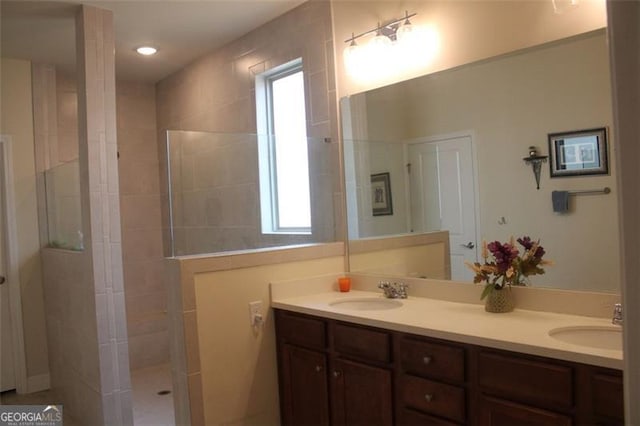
x=304 y=388
x=361 y=395
x=608 y=399
x=498 y=412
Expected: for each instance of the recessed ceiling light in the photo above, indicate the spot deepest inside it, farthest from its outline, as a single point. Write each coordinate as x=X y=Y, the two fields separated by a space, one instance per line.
x=146 y=50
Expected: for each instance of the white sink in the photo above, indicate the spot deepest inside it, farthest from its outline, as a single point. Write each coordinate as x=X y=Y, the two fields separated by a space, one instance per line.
x=601 y=337
x=366 y=304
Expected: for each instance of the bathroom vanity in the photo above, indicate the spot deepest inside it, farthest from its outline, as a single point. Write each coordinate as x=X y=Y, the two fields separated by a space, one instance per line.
x=343 y=365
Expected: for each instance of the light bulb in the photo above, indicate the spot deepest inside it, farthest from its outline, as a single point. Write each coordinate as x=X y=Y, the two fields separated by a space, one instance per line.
x=146 y=50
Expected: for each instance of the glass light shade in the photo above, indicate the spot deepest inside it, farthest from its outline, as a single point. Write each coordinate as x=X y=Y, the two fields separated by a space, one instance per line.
x=352 y=58
x=379 y=44
x=404 y=31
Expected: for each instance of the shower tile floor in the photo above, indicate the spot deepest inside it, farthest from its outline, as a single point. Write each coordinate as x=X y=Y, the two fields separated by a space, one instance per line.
x=149 y=408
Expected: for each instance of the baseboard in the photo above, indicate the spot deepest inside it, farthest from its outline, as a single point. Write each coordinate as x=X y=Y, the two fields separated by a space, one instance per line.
x=38 y=383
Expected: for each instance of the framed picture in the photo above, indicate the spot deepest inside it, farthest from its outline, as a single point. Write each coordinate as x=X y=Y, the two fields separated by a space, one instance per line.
x=579 y=153
x=381 y=194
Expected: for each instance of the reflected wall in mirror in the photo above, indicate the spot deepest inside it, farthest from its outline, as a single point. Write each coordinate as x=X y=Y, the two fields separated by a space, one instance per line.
x=453 y=143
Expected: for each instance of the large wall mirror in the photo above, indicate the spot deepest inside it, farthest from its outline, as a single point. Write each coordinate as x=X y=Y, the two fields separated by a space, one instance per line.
x=451 y=145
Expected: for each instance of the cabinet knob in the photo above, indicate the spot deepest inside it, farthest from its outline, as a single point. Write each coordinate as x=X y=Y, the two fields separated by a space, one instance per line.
x=428 y=397
x=318 y=368
x=336 y=374
x=426 y=360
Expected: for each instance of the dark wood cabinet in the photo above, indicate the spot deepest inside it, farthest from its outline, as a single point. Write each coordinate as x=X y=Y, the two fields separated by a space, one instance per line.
x=304 y=387
x=333 y=373
x=607 y=398
x=361 y=395
x=338 y=373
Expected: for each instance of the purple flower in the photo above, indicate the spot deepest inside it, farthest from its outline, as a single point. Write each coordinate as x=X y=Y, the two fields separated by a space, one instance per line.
x=525 y=242
x=504 y=254
x=528 y=244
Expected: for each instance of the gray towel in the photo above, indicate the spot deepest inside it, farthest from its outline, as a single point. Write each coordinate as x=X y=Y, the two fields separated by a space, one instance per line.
x=560 y=201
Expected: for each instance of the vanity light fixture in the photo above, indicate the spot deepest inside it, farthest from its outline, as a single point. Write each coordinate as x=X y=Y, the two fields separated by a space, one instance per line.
x=388 y=29
x=146 y=50
x=536 y=163
x=397 y=44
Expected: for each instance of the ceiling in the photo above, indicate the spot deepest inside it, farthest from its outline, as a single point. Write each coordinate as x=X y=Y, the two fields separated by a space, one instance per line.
x=182 y=30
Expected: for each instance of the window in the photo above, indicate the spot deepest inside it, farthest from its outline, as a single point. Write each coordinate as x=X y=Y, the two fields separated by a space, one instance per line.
x=285 y=199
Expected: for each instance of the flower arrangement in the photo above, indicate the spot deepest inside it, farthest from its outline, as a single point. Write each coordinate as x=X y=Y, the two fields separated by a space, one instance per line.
x=504 y=266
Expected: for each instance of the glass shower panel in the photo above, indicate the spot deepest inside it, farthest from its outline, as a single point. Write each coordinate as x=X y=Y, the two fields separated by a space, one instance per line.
x=64 y=216
x=214 y=186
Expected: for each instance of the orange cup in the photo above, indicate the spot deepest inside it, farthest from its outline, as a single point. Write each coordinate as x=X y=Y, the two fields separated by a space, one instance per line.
x=345 y=284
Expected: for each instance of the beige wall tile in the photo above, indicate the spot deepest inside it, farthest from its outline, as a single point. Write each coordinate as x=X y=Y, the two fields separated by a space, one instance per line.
x=141 y=306
x=141 y=223
x=101 y=214
x=140 y=211
x=148 y=349
x=142 y=244
x=147 y=324
x=144 y=277
x=140 y=177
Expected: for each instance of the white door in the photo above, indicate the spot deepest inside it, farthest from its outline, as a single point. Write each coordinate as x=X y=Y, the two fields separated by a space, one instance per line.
x=442 y=191
x=7 y=370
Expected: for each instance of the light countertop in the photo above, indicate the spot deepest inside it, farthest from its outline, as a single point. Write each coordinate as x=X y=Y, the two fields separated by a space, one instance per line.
x=522 y=330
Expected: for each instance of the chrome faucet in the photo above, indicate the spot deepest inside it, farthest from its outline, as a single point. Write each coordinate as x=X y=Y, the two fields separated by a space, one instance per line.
x=393 y=290
x=617 y=314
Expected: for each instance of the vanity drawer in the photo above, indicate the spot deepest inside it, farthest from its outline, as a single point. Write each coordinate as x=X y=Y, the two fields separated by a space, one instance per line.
x=365 y=343
x=434 y=398
x=430 y=359
x=409 y=417
x=301 y=330
x=499 y=412
x=608 y=398
x=531 y=380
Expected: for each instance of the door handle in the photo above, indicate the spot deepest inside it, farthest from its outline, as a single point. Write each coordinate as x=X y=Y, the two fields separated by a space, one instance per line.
x=469 y=245
x=2 y=279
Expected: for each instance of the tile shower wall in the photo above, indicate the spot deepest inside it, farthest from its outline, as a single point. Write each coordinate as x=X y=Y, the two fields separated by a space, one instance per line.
x=100 y=199
x=71 y=333
x=139 y=198
x=216 y=93
x=141 y=225
x=84 y=291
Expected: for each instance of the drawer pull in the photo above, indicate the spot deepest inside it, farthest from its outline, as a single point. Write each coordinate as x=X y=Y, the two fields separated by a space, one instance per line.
x=428 y=397
x=426 y=360
x=318 y=368
x=336 y=374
